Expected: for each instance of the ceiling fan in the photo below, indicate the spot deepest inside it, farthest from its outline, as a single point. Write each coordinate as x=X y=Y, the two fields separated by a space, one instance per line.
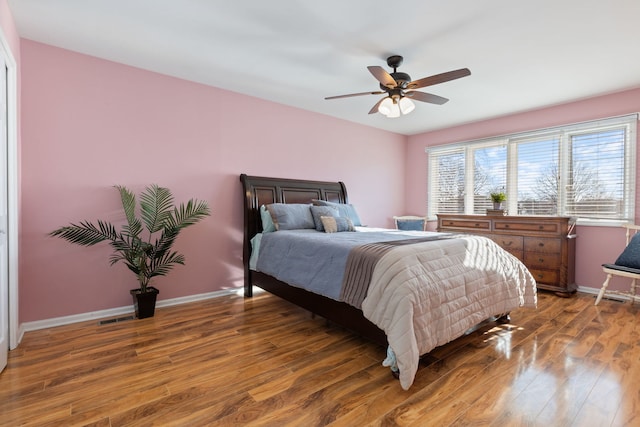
x=399 y=88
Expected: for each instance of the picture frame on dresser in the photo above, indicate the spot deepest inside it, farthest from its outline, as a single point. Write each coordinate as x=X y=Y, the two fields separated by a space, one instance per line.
x=545 y=244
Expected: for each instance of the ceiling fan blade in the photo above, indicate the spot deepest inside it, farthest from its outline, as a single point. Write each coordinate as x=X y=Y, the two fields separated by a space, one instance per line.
x=354 y=94
x=426 y=97
x=382 y=76
x=439 y=78
x=374 y=109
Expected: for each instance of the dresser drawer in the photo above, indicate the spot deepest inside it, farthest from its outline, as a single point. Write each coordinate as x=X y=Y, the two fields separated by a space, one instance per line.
x=542 y=244
x=542 y=260
x=509 y=243
x=479 y=224
x=544 y=227
x=517 y=254
x=545 y=276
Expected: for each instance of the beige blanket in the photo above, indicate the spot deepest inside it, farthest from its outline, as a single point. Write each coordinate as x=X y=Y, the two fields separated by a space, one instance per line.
x=362 y=261
x=428 y=294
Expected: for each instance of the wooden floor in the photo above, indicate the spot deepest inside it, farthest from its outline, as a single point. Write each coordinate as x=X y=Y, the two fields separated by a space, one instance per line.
x=264 y=362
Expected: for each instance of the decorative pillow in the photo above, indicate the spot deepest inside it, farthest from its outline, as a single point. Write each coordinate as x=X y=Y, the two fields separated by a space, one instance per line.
x=318 y=211
x=336 y=224
x=291 y=216
x=267 y=222
x=410 y=224
x=630 y=257
x=346 y=210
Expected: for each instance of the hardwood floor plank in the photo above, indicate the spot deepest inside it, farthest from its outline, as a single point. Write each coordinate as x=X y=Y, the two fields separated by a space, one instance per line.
x=564 y=405
x=625 y=364
x=91 y=409
x=319 y=365
x=34 y=415
x=263 y=362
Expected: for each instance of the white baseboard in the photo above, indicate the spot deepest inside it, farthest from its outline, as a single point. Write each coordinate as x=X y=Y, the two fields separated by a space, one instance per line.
x=588 y=290
x=119 y=311
x=595 y=291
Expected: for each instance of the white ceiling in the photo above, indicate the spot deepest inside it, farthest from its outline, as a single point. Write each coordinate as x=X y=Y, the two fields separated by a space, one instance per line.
x=522 y=55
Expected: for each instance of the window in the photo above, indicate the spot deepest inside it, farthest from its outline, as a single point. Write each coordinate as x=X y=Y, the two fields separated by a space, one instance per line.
x=585 y=170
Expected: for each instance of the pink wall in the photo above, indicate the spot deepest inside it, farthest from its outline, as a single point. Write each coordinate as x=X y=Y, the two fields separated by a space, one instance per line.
x=595 y=245
x=89 y=124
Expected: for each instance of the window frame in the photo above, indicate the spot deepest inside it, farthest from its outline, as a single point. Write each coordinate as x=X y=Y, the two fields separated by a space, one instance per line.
x=564 y=136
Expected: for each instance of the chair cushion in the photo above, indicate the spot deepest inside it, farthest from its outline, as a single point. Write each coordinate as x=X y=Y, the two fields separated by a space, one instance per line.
x=622 y=268
x=630 y=257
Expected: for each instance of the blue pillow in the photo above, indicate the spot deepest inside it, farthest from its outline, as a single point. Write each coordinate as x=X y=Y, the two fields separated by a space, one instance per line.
x=346 y=210
x=267 y=222
x=291 y=216
x=410 y=224
x=319 y=211
x=630 y=257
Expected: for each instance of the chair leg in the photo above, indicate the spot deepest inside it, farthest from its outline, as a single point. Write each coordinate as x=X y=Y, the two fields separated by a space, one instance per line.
x=603 y=289
x=633 y=290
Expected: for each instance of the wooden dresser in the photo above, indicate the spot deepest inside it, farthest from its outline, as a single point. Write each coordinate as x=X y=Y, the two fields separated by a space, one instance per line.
x=545 y=244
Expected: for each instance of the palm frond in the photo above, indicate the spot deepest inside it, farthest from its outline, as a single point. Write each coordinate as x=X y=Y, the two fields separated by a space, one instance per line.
x=162 y=266
x=189 y=214
x=134 y=226
x=155 y=207
x=165 y=242
x=86 y=233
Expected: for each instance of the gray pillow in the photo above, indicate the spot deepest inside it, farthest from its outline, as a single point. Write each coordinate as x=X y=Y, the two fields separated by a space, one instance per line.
x=336 y=224
x=346 y=210
x=267 y=222
x=291 y=216
x=630 y=257
x=318 y=211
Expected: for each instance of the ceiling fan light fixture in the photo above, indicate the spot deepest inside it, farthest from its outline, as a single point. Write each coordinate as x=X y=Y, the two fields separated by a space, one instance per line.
x=385 y=106
x=395 y=110
x=406 y=105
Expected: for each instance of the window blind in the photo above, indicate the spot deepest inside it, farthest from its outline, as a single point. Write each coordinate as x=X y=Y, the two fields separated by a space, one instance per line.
x=586 y=170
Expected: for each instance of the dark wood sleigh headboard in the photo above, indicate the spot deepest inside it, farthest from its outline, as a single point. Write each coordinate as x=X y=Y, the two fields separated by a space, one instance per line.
x=260 y=191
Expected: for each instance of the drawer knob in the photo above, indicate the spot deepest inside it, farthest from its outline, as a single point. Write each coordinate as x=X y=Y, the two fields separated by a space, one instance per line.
x=506 y=226
x=541 y=244
x=477 y=225
x=540 y=227
x=506 y=243
x=540 y=259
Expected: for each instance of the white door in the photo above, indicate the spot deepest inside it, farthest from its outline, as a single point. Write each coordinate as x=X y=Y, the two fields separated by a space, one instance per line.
x=4 y=259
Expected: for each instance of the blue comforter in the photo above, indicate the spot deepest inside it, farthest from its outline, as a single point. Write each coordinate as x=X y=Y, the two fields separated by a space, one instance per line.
x=315 y=260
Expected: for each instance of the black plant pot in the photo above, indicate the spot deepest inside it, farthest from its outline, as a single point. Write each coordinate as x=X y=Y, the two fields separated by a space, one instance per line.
x=144 y=303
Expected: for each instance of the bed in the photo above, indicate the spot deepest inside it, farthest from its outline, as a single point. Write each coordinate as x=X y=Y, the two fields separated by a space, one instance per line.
x=390 y=314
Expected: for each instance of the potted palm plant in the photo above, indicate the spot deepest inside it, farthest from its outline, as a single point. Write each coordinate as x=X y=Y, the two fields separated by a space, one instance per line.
x=148 y=255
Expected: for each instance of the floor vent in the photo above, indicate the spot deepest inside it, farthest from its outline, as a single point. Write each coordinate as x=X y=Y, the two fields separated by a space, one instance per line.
x=115 y=320
x=613 y=299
